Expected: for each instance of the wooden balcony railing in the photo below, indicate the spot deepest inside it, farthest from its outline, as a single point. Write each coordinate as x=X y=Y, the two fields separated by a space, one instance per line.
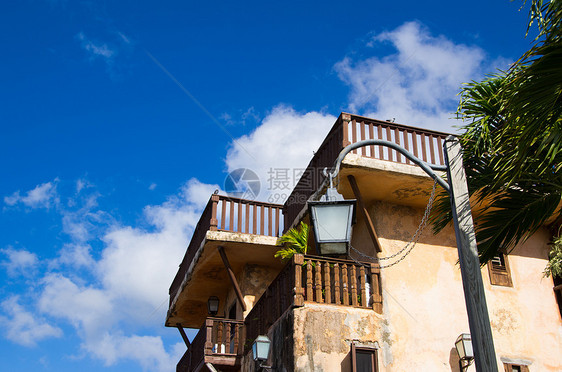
x=219 y=341
x=424 y=144
x=224 y=213
x=315 y=280
x=342 y=282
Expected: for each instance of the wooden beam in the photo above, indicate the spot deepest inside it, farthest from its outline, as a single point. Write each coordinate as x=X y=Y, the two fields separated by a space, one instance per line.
x=183 y=335
x=363 y=209
x=232 y=278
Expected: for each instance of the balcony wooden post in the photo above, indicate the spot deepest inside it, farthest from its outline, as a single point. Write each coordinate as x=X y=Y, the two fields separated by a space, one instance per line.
x=214 y=221
x=309 y=293
x=327 y=289
x=345 y=290
x=227 y=334
x=376 y=288
x=353 y=285
x=298 y=261
x=209 y=338
x=236 y=338
x=318 y=281
x=345 y=118
x=364 y=294
x=337 y=299
x=220 y=340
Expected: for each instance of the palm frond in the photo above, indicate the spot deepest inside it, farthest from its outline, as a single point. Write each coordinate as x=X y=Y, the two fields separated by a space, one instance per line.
x=294 y=241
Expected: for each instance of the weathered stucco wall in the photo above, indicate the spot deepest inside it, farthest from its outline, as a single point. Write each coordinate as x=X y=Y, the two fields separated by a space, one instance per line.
x=424 y=309
x=253 y=281
x=323 y=335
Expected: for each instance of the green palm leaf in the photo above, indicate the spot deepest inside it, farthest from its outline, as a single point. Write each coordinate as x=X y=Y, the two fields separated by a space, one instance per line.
x=294 y=241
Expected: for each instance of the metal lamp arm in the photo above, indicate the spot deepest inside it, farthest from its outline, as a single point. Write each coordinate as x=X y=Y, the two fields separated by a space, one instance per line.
x=427 y=168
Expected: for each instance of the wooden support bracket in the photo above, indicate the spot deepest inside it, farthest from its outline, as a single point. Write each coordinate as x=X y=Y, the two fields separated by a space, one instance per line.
x=183 y=335
x=361 y=206
x=232 y=278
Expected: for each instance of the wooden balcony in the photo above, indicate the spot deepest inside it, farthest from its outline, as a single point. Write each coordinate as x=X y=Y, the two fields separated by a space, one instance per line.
x=425 y=144
x=246 y=229
x=311 y=279
x=219 y=342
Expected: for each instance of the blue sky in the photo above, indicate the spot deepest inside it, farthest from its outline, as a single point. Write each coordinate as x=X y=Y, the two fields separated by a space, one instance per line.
x=119 y=118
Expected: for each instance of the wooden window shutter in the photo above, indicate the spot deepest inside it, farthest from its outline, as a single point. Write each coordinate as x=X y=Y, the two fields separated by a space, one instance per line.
x=499 y=271
x=510 y=367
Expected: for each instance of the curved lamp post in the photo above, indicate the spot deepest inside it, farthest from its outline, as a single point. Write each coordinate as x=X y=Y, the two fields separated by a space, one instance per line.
x=477 y=310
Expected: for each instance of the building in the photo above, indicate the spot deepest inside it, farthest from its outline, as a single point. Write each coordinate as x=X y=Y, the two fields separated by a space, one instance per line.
x=348 y=314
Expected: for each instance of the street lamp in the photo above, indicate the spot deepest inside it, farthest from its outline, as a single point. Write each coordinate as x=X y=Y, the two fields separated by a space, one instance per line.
x=332 y=220
x=464 y=349
x=456 y=186
x=213 y=305
x=260 y=350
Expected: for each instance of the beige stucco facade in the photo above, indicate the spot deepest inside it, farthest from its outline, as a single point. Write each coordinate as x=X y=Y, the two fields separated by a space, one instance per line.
x=424 y=309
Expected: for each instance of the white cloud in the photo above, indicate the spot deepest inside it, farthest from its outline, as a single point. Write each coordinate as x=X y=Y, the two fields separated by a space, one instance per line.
x=88 y=309
x=130 y=280
x=20 y=262
x=419 y=83
x=23 y=327
x=139 y=265
x=96 y=49
x=148 y=351
x=42 y=196
x=285 y=139
x=82 y=184
x=75 y=255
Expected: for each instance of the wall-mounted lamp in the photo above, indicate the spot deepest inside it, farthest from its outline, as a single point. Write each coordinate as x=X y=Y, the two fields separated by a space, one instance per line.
x=213 y=305
x=464 y=349
x=332 y=219
x=260 y=350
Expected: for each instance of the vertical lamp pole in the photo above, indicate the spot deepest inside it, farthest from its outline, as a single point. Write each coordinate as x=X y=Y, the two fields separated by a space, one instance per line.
x=478 y=320
x=476 y=308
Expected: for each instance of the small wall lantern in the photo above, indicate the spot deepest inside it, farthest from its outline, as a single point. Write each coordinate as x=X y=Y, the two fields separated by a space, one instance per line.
x=213 y=305
x=260 y=348
x=464 y=349
x=332 y=219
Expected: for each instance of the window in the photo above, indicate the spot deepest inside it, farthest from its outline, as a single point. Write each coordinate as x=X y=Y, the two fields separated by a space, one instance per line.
x=363 y=359
x=498 y=269
x=509 y=367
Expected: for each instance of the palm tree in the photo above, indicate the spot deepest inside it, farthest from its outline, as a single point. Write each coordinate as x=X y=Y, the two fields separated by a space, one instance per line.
x=294 y=241
x=511 y=144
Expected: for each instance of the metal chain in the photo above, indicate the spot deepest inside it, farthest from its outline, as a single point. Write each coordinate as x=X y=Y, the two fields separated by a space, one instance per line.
x=409 y=246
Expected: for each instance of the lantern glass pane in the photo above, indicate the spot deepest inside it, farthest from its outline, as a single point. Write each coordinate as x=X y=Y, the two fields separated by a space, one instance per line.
x=468 y=348
x=460 y=348
x=263 y=350
x=260 y=348
x=332 y=221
